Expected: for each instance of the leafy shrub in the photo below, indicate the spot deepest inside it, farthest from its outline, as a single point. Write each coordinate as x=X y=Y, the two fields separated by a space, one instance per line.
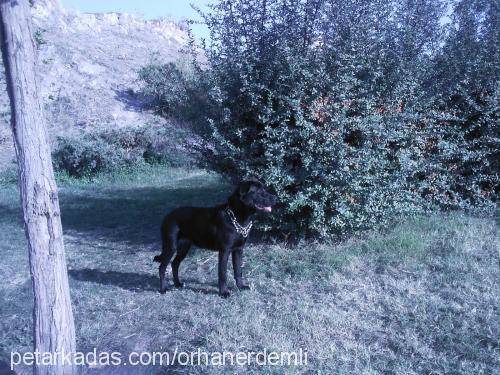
x=465 y=90
x=39 y=37
x=175 y=90
x=336 y=105
x=102 y=150
x=8 y=176
x=165 y=85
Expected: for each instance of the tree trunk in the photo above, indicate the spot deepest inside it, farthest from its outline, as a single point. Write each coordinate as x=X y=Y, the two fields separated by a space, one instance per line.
x=54 y=330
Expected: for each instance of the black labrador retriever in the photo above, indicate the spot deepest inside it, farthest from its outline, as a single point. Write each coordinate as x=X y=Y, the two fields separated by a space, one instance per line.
x=223 y=228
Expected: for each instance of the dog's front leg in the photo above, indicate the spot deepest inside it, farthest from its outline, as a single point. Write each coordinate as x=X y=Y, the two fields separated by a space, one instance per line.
x=223 y=258
x=237 y=258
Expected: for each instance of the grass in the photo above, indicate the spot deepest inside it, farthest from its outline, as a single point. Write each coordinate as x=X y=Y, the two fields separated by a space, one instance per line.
x=420 y=298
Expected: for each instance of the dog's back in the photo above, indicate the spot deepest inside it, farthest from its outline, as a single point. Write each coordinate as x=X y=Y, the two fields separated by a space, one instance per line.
x=199 y=224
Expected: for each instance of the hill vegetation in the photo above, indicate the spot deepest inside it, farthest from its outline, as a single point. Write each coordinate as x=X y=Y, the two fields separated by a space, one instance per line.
x=88 y=66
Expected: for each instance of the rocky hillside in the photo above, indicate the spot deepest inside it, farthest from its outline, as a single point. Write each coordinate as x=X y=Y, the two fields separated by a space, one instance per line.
x=88 y=67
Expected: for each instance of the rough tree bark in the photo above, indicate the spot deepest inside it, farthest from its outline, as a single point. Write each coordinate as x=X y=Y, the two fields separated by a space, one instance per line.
x=54 y=330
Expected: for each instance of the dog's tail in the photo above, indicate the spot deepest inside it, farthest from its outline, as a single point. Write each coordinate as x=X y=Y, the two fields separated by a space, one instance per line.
x=157 y=258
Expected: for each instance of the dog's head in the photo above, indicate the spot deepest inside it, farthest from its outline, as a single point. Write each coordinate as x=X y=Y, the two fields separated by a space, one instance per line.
x=253 y=194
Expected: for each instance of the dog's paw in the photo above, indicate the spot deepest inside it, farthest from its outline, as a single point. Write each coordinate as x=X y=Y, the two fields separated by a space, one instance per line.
x=163 y=291
x=244 y=287
x=224 y=294
x=179 y=285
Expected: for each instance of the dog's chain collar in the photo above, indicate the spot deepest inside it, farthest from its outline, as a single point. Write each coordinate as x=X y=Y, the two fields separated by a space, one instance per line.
x=244 y=231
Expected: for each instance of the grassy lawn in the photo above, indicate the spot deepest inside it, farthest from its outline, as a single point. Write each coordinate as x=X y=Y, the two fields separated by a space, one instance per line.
x=421 y=298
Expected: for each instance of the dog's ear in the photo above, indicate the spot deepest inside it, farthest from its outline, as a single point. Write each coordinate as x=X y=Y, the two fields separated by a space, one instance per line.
x=248 y=185
x=244 y=187
x=253 y=178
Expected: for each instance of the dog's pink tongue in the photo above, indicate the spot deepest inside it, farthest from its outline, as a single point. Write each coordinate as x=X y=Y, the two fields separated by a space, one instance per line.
x=267 y=209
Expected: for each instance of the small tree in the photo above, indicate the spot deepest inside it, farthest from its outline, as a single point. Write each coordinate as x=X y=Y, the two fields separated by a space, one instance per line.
x=307 y=95
x=54 y=330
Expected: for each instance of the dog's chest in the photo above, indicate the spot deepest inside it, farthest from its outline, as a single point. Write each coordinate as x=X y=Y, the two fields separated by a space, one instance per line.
x=239 y=241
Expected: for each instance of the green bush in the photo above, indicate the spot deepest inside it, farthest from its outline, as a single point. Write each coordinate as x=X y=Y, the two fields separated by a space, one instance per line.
x=96 y=151
x=336 y=105
x=175 y=90
x=39 y=37
x=164 y=84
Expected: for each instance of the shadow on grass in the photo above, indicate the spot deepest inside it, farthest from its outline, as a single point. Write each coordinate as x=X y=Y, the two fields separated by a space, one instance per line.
x=5 y=368
x=133 y=101
x=131 y=215
x=134 y=282
x=11 y=214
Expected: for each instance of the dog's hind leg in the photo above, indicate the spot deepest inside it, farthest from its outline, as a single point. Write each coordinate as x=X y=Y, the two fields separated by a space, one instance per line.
x=169 y=247
x=183 y=247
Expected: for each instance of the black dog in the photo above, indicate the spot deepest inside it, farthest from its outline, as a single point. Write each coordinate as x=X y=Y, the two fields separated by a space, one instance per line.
x=222 y=228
